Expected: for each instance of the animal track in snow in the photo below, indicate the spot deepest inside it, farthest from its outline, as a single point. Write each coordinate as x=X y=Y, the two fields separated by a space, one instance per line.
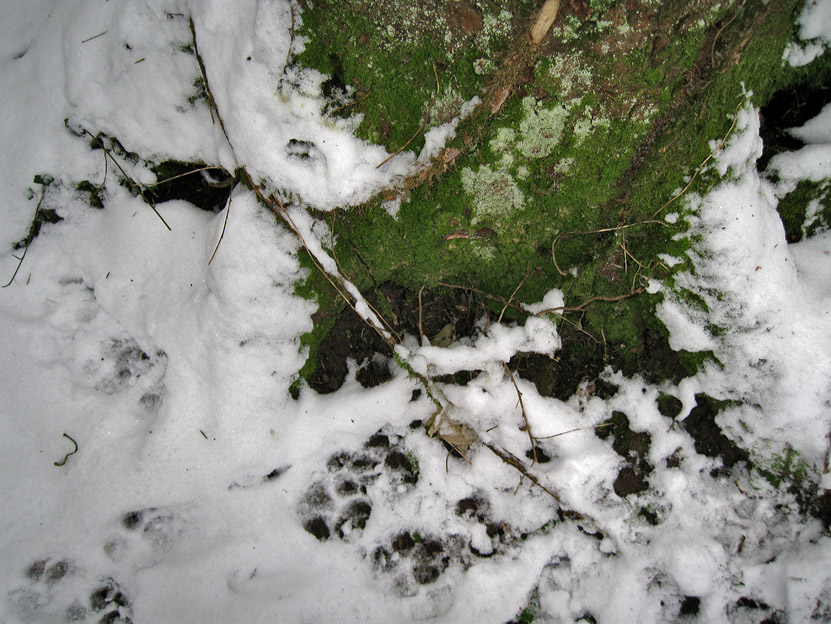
x=62 y=590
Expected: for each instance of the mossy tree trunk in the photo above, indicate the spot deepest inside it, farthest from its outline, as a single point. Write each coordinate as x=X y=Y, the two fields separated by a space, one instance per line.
x=564 y=171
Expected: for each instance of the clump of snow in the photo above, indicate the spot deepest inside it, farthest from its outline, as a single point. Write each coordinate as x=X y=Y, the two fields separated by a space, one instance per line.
x=553 y=300
x=436 y=138
x=814 y=33
x=764 y=320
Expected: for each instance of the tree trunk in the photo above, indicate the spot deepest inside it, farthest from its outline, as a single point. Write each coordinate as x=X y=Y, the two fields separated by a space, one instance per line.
x=562 y=175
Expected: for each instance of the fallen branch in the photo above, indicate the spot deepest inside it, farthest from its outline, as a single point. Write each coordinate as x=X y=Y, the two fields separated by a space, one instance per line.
x=515 y=463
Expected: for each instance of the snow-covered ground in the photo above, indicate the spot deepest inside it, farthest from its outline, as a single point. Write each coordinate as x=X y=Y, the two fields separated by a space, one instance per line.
x=199 y=485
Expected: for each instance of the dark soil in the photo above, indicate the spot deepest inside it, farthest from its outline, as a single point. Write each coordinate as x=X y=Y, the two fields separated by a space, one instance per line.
x=708 y=437
x=208 y=190
x=442 y=314
x=633 y=447
x=786 y=109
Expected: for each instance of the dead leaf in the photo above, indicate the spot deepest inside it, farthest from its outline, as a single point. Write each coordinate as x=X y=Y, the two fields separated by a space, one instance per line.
x=456 y=434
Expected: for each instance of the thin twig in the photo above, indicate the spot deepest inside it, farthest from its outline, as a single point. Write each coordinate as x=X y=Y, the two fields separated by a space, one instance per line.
x=605 y=348
x=276 y=206
x=515 y=463
x=182 y=175
x=704 y=162
x=352 y=103
x=524 y=414
x=583 y=305
x=403 y=147
x=28 y=239
x=484 y=294
x=106 y=170
x=513 y=294
x=211 y=101
x=420 y=329
x=557 y=435
x=618 y=228
x=721 y=30
x=579 y=328
x=332 y=246
x=344 y=274
x=222 y=233
x=146 y=199
x=95 y=36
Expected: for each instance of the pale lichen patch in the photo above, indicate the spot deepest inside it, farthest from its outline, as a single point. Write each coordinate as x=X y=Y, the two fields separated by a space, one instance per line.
x=587 y=124
x=573 y=76
x=495 y=192
x=494 y=27
x=541 y=128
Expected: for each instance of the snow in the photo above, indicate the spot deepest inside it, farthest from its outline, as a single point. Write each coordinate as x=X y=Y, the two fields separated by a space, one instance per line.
x=196 y=471
x=814 y=33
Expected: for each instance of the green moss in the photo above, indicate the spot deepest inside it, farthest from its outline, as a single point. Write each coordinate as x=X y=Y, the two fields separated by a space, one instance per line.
x=786 y=468
x=806 y=210
x=316 y=288
x=389 y=55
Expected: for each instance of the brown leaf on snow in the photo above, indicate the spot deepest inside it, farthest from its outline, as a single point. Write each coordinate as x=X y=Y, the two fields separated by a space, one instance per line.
x=456 y=434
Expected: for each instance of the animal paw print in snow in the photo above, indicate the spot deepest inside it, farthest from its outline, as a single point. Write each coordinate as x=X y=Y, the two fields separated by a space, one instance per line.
x=59 y=590
x=416 y=558
x=145 y=535
x=339 y=502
